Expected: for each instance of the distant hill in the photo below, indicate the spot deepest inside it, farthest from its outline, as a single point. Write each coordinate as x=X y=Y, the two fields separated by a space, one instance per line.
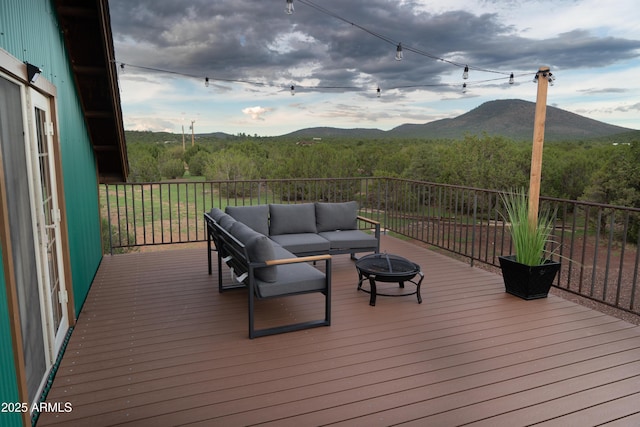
x=172 y=138
x=511 y=118
x=323 y=132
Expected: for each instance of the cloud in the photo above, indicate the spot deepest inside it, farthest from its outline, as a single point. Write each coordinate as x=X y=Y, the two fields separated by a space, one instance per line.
x=256 y=113
x=628 y=108
x=149 y=124
x=604 y=90
x=259 y=42
x=252 y=51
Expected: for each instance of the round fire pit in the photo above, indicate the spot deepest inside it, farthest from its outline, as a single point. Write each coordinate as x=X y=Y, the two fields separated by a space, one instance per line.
x=387 y=268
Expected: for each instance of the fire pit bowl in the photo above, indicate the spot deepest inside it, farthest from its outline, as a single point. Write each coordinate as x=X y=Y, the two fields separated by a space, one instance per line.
x=387 y=268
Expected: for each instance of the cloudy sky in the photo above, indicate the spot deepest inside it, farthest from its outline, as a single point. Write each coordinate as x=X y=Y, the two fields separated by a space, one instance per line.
x=337 y=54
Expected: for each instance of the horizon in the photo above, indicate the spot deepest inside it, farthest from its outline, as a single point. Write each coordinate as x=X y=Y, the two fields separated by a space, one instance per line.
x=187 y=134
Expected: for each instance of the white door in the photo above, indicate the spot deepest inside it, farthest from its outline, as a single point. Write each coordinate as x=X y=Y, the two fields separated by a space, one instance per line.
x=46 y=218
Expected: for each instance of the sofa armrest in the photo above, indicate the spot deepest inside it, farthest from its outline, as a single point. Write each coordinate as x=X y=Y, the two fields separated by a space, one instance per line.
x=313 y=258
x=369 y=220
x=375 y=224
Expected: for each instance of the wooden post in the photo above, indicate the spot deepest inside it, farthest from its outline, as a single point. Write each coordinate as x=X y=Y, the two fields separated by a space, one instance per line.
x=538 y=142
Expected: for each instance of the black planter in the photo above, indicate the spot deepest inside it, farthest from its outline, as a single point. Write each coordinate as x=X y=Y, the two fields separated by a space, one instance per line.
x=525 y=281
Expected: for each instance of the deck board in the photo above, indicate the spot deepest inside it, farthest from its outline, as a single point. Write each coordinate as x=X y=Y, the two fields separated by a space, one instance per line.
x=156 y=344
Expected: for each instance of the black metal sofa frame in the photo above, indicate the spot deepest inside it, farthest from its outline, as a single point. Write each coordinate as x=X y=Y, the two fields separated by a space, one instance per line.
x=295 y=275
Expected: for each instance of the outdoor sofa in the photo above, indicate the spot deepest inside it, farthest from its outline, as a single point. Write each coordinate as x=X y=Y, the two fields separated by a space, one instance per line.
x=273 y=249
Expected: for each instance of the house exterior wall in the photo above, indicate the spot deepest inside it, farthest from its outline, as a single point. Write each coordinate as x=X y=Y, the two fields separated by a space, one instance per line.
x=29 y=32
x=8 y=380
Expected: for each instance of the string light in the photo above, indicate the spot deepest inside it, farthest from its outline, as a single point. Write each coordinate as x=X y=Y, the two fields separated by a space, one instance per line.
x=465 y=73
x=293 y=90
x=511 y=80
x=378 y=92
x=289 y=8
x=399 y=52
x=206 y=81
x=548 y=75
x=292 y=87
x=464 y=88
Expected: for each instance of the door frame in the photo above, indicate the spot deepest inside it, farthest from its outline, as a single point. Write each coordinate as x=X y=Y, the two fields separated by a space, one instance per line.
x=53 y=337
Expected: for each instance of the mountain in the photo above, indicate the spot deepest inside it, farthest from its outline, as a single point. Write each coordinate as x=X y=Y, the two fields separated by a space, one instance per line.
x=511 y=118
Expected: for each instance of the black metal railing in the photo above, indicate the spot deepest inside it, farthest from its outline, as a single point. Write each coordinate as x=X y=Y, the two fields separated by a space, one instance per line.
x=596 y=243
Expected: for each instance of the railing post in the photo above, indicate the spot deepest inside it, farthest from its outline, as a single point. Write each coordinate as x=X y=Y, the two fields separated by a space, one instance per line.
x=106 y=186
x=386 y=205
x=474 y=221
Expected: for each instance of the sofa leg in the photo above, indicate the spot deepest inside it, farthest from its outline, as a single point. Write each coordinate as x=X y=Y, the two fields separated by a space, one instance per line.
x=209 y=252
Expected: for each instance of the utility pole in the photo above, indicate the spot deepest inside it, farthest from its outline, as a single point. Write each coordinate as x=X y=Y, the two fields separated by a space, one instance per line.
x=192 y=133
x=542 y=78
x=183 y=147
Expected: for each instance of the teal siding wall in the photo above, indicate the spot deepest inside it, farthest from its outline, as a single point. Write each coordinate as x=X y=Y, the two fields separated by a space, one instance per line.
x=29 y=31
x=8 y=380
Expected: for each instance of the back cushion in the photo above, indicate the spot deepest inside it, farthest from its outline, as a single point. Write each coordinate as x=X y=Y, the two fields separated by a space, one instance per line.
x=292 y=219
x=336 y=216
x=256 y=217
x=226 y=221
x=259 y=249
x=215 y=213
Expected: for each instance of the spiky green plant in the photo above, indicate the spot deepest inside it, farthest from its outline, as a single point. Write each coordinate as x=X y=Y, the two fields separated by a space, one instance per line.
x=529 y=240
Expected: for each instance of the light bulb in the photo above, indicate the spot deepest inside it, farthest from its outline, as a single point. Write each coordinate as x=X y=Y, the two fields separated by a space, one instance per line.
x=551 y=78
x=465 y=74
x=378 y=92
x=399 y=52
x=535 y=78
x=206 y=81
x=511 y=79
x=464 y=88
x=293 y=90
x=289 y=8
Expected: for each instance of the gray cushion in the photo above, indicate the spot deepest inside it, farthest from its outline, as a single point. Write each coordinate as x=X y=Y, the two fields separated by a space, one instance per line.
x=215 y=213
x=280 y=252
x=290 y=219
x=302 y=243
x=349 y=239
x=292 y=278
x=256 y=217
x=226 y=221
x=259 y=249
x=336 y=216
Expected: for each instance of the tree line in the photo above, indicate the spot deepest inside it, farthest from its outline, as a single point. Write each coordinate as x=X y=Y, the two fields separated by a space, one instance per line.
x=598 y=171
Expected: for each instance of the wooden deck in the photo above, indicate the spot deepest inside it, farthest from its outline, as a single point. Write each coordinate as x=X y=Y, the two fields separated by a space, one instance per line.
x=157 y=345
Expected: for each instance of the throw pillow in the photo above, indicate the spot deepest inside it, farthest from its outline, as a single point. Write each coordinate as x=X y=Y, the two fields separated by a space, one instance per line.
x=292 y=219
x=336 y=216
x=256 y=217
